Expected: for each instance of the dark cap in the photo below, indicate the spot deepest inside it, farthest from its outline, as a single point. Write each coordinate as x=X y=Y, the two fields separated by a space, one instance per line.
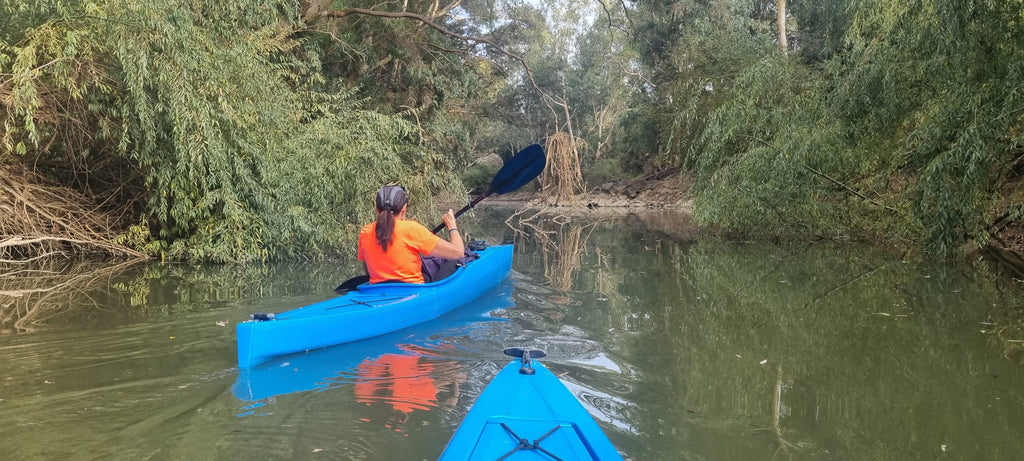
x=391 y=198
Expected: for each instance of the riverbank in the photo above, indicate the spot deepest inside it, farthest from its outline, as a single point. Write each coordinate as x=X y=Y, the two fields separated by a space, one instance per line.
x=667 y=191
x=661 y=203
x=664 y=201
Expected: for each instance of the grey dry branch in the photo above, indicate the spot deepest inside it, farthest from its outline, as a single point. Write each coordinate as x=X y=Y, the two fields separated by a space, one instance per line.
x=39 y=220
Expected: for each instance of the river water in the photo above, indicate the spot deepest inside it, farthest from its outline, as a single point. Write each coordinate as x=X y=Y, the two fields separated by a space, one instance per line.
x=682 y=348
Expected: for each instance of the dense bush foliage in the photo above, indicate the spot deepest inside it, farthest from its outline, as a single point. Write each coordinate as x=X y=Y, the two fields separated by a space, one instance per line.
x=885 y=119
x=216 y=117
x=236 y=130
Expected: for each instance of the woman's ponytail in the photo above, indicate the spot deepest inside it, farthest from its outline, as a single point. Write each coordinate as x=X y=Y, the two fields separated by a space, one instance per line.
x=385 y=228
x=390 y=200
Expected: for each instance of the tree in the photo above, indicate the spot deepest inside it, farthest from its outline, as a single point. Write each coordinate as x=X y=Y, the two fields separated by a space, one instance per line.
x=780 y=25
x=891 y=120
x=213 y=116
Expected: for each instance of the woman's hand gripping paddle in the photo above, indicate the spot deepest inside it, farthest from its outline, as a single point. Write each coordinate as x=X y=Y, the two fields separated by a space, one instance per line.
x=518 y=170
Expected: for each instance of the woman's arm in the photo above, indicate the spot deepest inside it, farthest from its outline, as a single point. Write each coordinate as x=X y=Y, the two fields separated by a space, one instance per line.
x=454 y=248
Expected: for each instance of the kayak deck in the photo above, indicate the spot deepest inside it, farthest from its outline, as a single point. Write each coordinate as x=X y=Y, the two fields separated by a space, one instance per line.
x=526 y=413
x=370 y=310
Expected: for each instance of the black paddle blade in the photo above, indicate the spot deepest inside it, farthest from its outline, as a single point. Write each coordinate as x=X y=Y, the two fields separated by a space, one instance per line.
x=519 y=352
x=519 y=170
x=351 y=284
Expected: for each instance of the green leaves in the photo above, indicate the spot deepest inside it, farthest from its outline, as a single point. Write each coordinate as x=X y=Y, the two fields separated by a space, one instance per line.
x=234 y=151
x=896 y=121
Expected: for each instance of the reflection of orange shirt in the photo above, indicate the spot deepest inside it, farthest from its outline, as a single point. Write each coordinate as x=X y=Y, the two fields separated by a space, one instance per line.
x=402 y=260
x=400 y=380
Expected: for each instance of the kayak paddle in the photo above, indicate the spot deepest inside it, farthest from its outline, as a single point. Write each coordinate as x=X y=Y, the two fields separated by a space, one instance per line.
x=352 y=283
x=517 y=171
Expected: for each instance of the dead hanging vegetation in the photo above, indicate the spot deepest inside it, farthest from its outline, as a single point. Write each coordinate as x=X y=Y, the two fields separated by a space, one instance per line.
x=41 y=221
x=563 y=178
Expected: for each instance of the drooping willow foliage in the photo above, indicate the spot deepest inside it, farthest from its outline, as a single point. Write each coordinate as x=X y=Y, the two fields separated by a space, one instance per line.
x=239 y=130
x=210 y=119
x=887 y=119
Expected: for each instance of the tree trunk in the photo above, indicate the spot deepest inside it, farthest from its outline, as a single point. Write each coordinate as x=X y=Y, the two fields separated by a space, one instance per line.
x=780 y=7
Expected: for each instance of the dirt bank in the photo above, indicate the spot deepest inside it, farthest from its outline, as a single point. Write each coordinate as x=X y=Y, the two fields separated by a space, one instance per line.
x=665 y=191
x=661 y=203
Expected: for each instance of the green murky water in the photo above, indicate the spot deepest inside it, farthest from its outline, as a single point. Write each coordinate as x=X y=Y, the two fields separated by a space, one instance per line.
x=682 y=350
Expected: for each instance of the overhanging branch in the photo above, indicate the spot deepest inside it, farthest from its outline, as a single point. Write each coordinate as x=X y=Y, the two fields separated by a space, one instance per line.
x=337 y=14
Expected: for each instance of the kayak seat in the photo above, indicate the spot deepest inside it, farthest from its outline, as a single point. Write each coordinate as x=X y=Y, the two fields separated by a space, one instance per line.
x=532 y=439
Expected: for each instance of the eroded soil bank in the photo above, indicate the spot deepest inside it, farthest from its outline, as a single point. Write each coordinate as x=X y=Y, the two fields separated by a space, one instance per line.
x=662 y=204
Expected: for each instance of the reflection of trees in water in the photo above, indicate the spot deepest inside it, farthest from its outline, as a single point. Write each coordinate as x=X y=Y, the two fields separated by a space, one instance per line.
x=777 y=410
x=793 y=340
x=1009 y=333
x=561 y=265
x=1005 y=324
x=51 y=292
x=32 y=295
x=563 y=243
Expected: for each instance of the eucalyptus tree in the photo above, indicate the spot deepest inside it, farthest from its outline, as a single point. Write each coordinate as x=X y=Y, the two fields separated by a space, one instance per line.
x=583 y=77
x=692 y=52
x=606 y=88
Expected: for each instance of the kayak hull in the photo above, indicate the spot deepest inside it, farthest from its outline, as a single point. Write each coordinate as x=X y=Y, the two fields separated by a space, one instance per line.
x=370 y=310
x=528 y=417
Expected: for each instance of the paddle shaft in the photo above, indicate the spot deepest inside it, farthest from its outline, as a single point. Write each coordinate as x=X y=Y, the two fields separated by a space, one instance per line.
x=464 y=209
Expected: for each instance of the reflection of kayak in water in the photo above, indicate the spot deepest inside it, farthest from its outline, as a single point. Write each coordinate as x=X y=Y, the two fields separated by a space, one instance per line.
x=526 y=413
x=334 y=366
x=370 y=310
x=402 y=383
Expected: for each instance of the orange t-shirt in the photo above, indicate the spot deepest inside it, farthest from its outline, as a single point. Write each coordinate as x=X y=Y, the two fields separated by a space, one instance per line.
x=402 y=260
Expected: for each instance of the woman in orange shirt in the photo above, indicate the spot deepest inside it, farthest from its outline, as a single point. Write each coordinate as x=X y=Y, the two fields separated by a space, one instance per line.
x=391 y=247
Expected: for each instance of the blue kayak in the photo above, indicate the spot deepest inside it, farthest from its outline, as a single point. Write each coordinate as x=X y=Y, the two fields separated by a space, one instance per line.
x=330 y=367
x=526 y=413
x=370 y=310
